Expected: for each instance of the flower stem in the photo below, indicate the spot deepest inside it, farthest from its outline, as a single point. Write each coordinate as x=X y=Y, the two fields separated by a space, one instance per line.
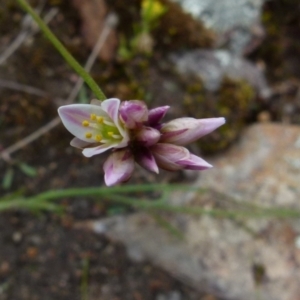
x=63 y=51
x=44 y=201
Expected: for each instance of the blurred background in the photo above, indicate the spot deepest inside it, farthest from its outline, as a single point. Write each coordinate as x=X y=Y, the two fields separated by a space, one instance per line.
x=205 y=58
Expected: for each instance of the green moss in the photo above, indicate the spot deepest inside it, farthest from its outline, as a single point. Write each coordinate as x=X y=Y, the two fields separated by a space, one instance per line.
x=233 y=101
x=178 y=30
x=281 y=46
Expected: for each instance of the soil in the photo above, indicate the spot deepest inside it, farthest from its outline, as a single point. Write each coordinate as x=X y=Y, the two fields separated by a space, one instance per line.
x=43 y=255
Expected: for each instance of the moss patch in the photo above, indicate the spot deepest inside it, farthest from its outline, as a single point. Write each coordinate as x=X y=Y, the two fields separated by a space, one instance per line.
x=281 y=47
x=233 y=101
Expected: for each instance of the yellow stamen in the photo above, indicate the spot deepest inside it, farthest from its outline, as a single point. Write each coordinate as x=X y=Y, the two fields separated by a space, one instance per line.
x=88 y=135
x=85 y=123
x=110 y=133
x=93 y=117
x=100 y=120
x=98 y=138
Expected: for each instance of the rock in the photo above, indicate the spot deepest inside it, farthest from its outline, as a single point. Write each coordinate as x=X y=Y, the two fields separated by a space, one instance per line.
x=233 y=258
x=93 y=15
x=213 y=65
x=264 y=167
x=236 y=22
x=17 y=237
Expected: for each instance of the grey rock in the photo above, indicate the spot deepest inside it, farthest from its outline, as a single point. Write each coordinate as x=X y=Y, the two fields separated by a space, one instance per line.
x=235 y=21
x=231 y=258
x=263 y=167
x=213 y=65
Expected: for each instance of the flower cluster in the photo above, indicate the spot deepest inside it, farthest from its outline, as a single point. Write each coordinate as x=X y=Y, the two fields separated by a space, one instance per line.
x=135 y=133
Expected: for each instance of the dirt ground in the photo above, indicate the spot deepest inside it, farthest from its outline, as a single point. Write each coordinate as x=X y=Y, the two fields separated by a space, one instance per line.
x=42 y=255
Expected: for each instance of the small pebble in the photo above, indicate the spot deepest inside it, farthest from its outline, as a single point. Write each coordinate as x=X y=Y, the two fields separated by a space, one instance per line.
x=17 y=237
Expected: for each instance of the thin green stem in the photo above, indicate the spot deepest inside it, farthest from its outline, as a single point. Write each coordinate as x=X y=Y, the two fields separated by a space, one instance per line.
x=31 y=204
x=118 y=195
x=96 y=191
x=63 y=51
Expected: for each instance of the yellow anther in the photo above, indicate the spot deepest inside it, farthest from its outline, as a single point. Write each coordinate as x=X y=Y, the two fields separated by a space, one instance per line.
x=85 y=123
x=100 y=120
x=98 y=138
x=110 y=133
x=93 y=117
x=88 y=135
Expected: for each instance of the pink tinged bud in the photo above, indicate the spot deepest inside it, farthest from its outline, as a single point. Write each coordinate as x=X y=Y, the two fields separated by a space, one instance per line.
x=118 y=167
x=145 y=158
x=133 y=113
x=167 y=156
x=156 y=115
x=186 y=130
x=194 y=163
x=148 y=136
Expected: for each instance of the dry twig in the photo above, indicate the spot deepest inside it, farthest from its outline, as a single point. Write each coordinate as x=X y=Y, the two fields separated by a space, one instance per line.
x=110 y=23
x=28 y=29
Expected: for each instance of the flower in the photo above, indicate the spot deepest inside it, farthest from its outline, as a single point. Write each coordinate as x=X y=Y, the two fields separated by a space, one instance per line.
x=135 y=133
x=96 y=126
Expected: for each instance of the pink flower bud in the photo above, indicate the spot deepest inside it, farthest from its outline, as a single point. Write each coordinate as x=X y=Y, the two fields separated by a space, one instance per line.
x=172 y=158
x=156 y=114
x=145 y=158
x=148 y=136
x=194 y=163
x=133 y=113
x=118 y=167
x=186 y=130
x=167 y=155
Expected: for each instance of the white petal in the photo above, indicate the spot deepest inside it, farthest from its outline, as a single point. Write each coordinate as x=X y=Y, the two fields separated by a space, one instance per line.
x=111 y=106
x=89 y=152
x=73 y=115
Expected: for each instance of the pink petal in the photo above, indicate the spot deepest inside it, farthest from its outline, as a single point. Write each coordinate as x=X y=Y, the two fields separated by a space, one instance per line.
x=156 y=115
x=194 y=163
x=118 y=167
x=148 y=136
x=145 y=158
x=133 y=113
x=167 y=155
x=186 y=130
x=72 y=116
x=77 y=143
x=111 y=106
x=89 y=152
